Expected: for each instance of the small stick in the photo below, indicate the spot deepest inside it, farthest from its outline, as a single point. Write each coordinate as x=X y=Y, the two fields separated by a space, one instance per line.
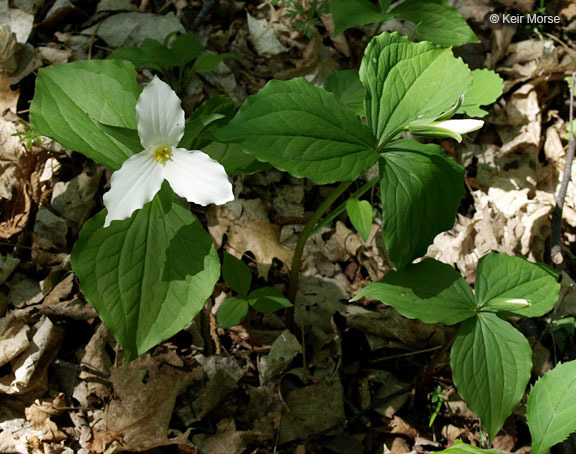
x=81 y=368
x=555 y=252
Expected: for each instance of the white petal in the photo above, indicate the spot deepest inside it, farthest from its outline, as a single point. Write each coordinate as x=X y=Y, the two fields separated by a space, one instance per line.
x=198 y=178
x=460 y=126
x=133 y=185
x=160 y=117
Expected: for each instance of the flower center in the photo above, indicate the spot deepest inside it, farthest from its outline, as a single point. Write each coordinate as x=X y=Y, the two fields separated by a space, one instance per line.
x=162 y=154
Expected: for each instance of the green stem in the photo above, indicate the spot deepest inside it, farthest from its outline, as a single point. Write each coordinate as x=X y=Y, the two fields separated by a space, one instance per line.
x=308 y=228
x=336 y=212
x=390 y=137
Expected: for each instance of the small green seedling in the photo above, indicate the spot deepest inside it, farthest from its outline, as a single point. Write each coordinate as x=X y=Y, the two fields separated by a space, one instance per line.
x=234 y=310
x=177 y=61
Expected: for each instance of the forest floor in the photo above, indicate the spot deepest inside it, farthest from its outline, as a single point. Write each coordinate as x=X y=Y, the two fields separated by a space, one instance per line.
x=372 y=378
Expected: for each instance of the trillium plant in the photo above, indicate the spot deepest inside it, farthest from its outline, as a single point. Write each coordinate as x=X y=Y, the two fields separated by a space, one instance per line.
x=193 y=175
x=146 y=263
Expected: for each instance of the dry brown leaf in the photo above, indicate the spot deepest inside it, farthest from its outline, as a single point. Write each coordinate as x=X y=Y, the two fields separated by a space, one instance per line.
x=244 y=234
x=311 y=410
x=226 y=439
x=13 y=338
x=29 y=370
x=142 y=410
x=39 y=414
x=8 y=98
x=395 y=330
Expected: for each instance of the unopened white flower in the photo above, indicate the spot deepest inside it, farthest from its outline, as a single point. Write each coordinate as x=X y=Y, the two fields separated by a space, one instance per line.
x=508 y=304
x=446 y=128
x=192 y=174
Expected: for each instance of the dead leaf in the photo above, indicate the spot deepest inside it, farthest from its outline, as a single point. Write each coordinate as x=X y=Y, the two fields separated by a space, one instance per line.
x=8 y=98
x=226 y=439
x=311 y=410
x=29 y=369
x=259 y=237
x=143 y=408
x=264 y=37
x=394 y=330
x=39 y=414
x=283 y=351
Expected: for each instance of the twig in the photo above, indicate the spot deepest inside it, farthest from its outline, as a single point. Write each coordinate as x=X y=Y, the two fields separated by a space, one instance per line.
x=81 y=368
x=207 y=6
x=555 y=252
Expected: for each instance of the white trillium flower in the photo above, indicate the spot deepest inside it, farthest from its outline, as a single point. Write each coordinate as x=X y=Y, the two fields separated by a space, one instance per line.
x=192 y=174
x=446 y=128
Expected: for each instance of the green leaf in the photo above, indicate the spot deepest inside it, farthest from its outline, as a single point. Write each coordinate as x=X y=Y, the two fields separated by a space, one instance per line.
x=347 y=87
x=134 y=55
x=491 y=363
x=354 y=13
x=208 y=62
x=303 y=130
x=408 y=81
x=146 y=276
x=550 y=411
x=486 y=88
x=158 y=54
x=460 y=447
x=436 y=21
x=126 y=136
x=421 y=190
x=232 y=312
x=502 y=276
x=233 y=158
x=215 y=112
x=430 y=291
x=186 y=47
x=268 y=299
x=360 y=214
x=236 y=274
x=71 y=100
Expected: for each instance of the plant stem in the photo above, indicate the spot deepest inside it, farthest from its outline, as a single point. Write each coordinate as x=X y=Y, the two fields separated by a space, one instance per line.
x=555 y=252
x=336 y=212
x=297 y=258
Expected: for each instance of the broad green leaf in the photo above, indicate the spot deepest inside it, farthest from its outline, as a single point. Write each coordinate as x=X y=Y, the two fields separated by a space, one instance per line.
x=460 y=447
x=126 y=136
x=158 y=54
x=147 y=276
x=215 y=112
x=421 y=190
x=354 y=13
x=236 y=274
x=208 y=62
x=502 y=276
x=550 y=411
x=491 y=363
x=430 y=291
x=347 y=87
x=233 y=158
x=134 y=55
x=70 y=101
x=407 y=81
x=360 y=214
x=268 y=299
x=232 y=312
x=436 y=21
x=486 y=88
x=303 y=130
x=186 y=47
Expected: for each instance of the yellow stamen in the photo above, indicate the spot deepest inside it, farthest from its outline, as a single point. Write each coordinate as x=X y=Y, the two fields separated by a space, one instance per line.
x=162 y=153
